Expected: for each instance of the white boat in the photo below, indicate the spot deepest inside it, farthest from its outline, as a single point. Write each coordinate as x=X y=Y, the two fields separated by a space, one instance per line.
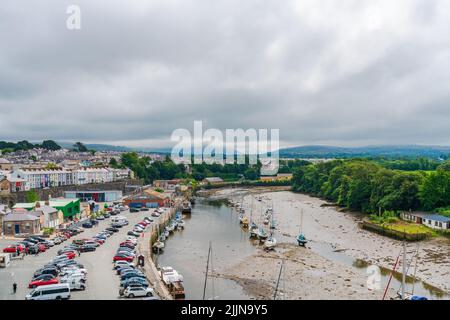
x=169 y=275
x=158 y=245
x=262 y=234
x=181 y=224
x=270 y=243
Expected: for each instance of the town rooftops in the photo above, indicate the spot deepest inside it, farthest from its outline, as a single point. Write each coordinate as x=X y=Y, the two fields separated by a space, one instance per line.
x=20 y=217
x=52 y=203
x=429 y=216
x=4 y=161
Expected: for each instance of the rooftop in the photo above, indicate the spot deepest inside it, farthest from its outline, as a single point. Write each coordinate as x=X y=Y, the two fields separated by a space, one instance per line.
x=20 y=217
x=430 y=216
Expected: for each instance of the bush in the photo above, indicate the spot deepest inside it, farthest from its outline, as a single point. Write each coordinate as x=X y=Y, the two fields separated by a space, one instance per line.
x=48 y=231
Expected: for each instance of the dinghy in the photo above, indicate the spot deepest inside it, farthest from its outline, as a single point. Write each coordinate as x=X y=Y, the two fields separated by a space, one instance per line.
x=270 y=243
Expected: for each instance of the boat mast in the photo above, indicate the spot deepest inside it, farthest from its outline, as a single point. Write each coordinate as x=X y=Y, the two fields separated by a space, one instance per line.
x=278 y=281
x=404 y=270
x=301 y=221
x=206 y=273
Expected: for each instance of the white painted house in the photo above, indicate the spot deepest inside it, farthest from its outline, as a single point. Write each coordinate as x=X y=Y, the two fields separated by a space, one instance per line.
x=430 y=220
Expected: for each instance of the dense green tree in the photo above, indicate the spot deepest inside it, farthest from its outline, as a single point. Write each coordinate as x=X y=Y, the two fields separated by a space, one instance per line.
x=32 y=196
x=50 y=145
x=80 y=147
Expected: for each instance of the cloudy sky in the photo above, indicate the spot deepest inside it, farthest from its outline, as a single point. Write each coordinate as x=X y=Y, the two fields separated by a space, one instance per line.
x=336 y=72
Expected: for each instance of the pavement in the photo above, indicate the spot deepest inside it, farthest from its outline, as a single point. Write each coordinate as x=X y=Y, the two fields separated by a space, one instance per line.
x=102 y=281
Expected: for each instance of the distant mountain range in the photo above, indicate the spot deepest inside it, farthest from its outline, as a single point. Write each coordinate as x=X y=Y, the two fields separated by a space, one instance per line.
x=108 y=147
x=394 y=151
x=390 y=151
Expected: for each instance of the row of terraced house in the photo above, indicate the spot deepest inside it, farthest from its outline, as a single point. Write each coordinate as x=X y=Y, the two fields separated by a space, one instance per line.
x=25 y=178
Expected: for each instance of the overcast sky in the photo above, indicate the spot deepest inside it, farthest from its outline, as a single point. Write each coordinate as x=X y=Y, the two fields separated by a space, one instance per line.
x=342 y=72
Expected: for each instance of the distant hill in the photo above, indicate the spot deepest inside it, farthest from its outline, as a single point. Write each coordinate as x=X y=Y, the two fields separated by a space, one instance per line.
x=108 y=147
x=407 y=151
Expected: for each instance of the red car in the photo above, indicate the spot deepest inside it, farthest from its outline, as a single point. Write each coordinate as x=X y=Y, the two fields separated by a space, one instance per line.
x=13 y=248
x=121 y=257
x=42 y=282
x=70 y=254
x=101 y=241
x=42 y=248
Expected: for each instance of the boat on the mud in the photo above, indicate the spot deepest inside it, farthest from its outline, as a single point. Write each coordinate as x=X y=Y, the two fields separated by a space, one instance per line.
x=253 y=230
x=158 y=246
x=262 y=234
x=243 y=221
x=270 y=243
x=173 y=281
x=301 y=240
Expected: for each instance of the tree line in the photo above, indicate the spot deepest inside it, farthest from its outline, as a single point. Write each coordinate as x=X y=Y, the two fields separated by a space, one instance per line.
x=149 y=170
x=365 y=185
x=25 y=145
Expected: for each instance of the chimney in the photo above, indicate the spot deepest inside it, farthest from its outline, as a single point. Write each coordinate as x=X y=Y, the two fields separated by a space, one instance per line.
x=37 y=204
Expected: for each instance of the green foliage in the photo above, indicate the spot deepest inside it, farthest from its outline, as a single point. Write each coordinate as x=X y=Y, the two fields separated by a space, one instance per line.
x=79 y=147
x=361 y=184
x=50 y=145
x=51 y=166
x=48 y=231
x=435 y=191
x=424 y=164
x=25 y=145
x=32 y=196
x=159 y=190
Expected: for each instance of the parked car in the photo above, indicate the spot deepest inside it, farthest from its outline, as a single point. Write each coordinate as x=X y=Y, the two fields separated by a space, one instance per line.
x=50 y=292
x=122 y=270
x=87 y=248
x=43 y=277
x=87 y=225
x=14 y=248
x=49 y=270
x=119 y=257
x=100 y=217
x=33 y=249
x=129 y=275
x=42 y=282
x=132 y=291
x=113 y=229
x=132 y=233
x=121 y=263
x=135 y=280
x=134 y=210
x=70 y=254
x=74 y=283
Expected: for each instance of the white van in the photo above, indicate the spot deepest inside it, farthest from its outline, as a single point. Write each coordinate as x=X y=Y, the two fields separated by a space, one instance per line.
x=119 y=219
x=50 y=292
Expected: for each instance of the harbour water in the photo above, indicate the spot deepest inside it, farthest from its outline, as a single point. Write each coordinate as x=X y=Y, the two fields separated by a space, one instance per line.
x=215 y=222
x=187 y=250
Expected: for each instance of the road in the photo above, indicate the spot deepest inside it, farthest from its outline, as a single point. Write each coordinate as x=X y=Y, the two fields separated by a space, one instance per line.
x=102 y=282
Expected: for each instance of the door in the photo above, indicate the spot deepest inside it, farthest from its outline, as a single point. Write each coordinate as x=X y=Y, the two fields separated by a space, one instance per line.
x=16 y=228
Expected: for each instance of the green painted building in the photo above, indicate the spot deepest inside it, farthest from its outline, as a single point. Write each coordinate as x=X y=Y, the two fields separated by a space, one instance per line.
x=69 y=207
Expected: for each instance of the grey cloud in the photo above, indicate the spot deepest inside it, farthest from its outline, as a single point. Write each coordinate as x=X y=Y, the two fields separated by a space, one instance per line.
x=317 y=70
